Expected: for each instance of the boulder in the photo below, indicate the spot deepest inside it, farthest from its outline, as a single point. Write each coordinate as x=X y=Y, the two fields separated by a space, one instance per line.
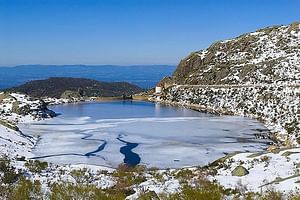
x=239 y=171
x=272 y=149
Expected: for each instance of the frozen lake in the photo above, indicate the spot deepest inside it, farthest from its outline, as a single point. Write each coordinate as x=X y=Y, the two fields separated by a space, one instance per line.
x=110 y=133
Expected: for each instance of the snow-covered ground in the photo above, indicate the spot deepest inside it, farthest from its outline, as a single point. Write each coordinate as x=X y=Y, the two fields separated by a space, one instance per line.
x=278 y=170
x=14 y=144
x=15 y=108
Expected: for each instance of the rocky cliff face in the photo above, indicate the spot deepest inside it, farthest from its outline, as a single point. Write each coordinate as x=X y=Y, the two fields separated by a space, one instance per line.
x=265 y=56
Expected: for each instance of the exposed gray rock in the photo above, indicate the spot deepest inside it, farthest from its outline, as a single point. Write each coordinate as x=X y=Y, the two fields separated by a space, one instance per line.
x=240 y=171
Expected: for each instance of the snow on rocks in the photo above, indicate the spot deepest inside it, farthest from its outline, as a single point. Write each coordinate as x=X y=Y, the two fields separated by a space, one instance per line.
x=16 y=108
x=278 y=170
x=55 y=101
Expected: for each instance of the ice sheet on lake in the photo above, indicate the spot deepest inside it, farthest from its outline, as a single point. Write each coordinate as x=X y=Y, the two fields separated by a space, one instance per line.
x=164 y=142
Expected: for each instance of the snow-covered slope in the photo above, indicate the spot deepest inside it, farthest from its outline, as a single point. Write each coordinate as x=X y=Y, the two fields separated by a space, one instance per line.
x=15 y=108
x=14 y=144
x=278 y=170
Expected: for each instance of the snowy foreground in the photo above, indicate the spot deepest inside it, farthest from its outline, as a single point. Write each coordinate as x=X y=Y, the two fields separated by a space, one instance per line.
x=277 y=169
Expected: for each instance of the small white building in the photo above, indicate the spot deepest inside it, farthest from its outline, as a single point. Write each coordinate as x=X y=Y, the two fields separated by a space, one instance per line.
x=158 y=88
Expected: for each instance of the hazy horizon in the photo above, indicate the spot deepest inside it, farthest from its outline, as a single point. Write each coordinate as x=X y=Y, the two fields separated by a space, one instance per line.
x=92 y=65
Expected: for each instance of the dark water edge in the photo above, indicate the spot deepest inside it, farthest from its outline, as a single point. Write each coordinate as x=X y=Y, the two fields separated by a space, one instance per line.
x=131 y=159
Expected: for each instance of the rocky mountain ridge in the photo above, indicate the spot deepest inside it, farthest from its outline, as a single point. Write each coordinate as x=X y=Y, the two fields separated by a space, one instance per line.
x=265 y=56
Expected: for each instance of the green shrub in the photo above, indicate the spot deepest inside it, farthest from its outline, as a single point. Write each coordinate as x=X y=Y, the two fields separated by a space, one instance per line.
x=36 y=165
x=71 y=191
x=128 y=176
x=272 y=195
x=203 y=190
x=81 y=175
x=294 y=196
x=148 y=195
x=27 y=190
x=184 y=174
x=9 y=174
x=5 y=191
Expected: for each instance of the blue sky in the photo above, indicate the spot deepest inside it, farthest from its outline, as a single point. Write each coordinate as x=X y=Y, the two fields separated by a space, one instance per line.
x=127 y=32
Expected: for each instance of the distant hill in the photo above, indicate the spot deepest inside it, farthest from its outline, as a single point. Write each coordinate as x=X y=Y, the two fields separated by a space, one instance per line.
x=61 y=86
x=144 y=76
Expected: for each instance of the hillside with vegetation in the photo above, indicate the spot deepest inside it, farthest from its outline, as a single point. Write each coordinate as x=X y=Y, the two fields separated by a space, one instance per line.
x=62 y=87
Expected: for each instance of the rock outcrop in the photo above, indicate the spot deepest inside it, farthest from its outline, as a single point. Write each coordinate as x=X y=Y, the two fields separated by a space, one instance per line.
x=239 y=171
x=14 y=106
